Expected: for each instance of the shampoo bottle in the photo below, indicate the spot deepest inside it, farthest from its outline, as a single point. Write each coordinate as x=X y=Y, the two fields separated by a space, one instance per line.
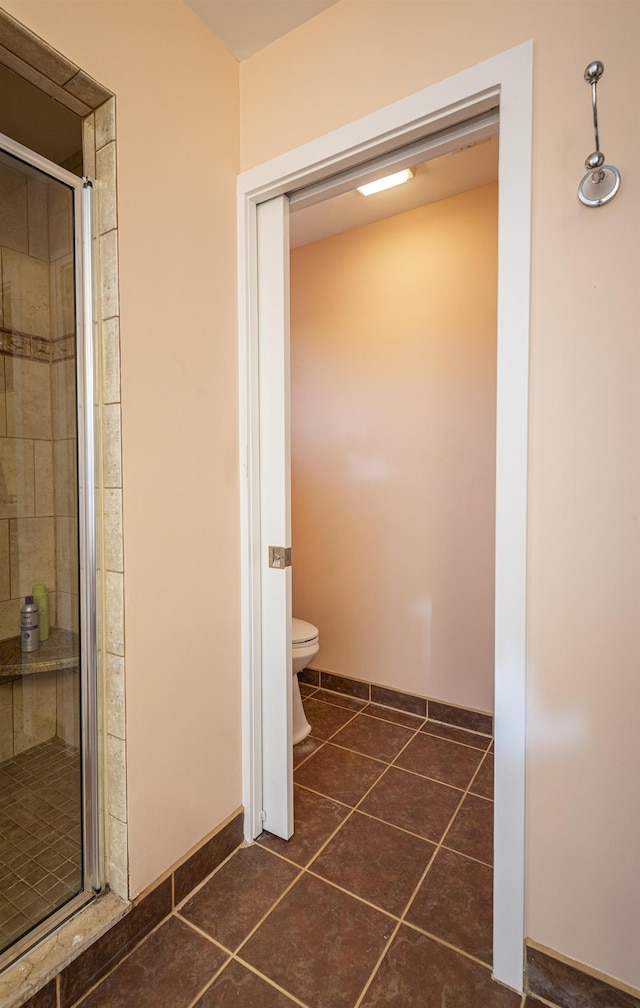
x=41 y=599
x=29 y=625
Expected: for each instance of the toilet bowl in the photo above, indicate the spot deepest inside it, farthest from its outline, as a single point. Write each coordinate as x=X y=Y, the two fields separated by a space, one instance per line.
x=305 y=644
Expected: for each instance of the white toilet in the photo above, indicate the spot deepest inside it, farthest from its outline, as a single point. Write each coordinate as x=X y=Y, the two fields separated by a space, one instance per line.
x=305 y=644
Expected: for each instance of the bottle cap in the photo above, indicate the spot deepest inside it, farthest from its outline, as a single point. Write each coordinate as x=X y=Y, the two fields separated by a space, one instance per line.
x=28 y=600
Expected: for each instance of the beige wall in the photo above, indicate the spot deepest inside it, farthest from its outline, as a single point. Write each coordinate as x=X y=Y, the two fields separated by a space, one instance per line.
x=583 y=820
x=176 y=101
x=177 y=135
x=393 y=358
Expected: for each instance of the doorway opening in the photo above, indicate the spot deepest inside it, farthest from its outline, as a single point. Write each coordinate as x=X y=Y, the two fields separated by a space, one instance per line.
x=393 y=344
x=504 y=80
x=393 y=352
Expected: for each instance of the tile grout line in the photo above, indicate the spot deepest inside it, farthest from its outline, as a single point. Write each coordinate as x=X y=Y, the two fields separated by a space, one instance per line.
x=199 y=885
x=398 y=710
x=242 y=962
x=173 y=912
x=465 y=745
x=420 y=730
x=52 y=763
x=279 y=900
x=447 y=944
x=377 y=966
x=212 y=941
x=348 y=892
x=90 y=990
x=209 y=983
x=440 y=846
x=355 y=752
x=356 y=807
x=539 y=999
x=232 y=957
x=306 y=869
x=402 y=920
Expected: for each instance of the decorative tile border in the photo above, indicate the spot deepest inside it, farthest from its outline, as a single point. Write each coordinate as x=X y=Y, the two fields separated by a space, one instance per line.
x=565 y=986
x=460 y=717
x=36 y=348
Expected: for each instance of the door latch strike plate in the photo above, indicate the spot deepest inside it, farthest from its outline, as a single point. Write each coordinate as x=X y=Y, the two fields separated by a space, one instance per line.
x=279 y=557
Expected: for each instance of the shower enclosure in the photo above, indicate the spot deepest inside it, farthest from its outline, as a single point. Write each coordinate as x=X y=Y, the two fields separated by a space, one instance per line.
x=49 y=822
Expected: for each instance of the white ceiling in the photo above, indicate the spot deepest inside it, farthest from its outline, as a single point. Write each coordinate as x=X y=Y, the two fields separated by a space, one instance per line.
x=445 y=176
x=245 y=26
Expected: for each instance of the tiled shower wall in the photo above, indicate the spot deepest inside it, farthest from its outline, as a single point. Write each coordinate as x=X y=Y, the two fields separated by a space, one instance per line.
x=99 y=145
x=37 y=418
x=38 y=506
x=53 y=73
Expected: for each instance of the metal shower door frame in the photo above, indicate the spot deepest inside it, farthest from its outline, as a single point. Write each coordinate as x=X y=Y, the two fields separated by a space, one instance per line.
x=88 y=479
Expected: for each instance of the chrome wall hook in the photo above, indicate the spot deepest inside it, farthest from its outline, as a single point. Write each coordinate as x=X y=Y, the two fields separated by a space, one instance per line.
x=602 y=181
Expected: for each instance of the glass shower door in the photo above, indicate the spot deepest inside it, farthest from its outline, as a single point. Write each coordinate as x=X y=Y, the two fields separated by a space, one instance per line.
x=43 y=778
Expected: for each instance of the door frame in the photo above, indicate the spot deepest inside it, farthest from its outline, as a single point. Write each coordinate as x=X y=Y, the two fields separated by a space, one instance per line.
x=507 y=78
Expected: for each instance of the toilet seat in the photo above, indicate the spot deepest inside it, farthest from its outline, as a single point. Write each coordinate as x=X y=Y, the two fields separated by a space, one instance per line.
x=302 y=633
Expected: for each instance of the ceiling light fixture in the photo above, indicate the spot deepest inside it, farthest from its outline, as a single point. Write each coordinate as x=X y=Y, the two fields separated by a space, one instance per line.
x=387 y=182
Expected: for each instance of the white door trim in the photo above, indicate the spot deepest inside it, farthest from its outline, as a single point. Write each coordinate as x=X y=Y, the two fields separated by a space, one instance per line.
x=275 y=514
x=509 y=76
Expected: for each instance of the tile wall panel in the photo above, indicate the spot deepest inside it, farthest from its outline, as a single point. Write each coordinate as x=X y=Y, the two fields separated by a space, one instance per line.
x=113 y=553
x=25 y=283
x=111 y=360
x=63 y=394
x=13 y=221
x=68 y=707
x=31 y=554
x=111 y=447
x=17 y=498
x=28 y=399
x=66 y=569
x=101 y=164
x=60 y=229
x=6 y=722
x=5 y=582
x=62 y=281
x=34 y=710
x=43 y=478
x=3 y=411
x=115 y=696
x=37 y=223
x=23 y=241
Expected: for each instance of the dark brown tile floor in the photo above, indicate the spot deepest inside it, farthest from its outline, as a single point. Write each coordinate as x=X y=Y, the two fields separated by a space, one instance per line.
x=40 y=853
x=381 y=899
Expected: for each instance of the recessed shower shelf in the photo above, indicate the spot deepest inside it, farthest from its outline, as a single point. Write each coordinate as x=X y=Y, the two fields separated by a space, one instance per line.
x=56 y=654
